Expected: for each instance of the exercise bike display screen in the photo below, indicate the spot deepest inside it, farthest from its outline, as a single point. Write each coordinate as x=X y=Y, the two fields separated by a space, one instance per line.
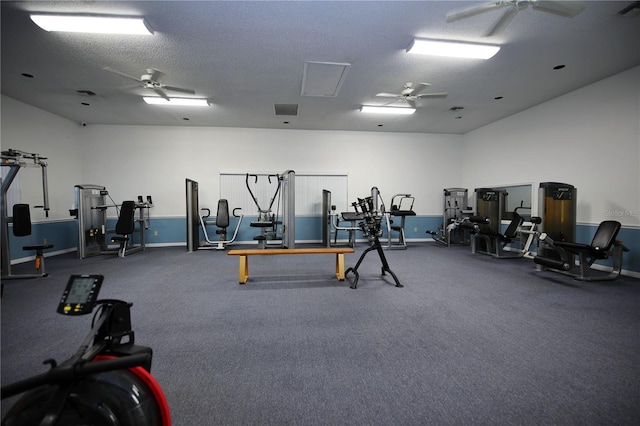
x=80 y=295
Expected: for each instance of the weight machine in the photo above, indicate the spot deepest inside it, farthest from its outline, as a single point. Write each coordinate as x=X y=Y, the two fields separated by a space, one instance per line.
x=397 y=210
x=268 y=221
x=331 y=222
x=604 y=245
x=106 y=382
x=221 y=223
x=371 y=228
x=21 y=219
x=92 y=202
x=197 y=220
x=455 y=227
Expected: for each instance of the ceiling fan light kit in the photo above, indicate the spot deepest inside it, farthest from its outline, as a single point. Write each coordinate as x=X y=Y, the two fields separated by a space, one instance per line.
x=387 y=110
x=92 y=24
x=452 y=49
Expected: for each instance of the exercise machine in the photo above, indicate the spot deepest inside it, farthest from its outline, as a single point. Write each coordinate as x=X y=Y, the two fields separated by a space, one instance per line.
x=455 y=227
x=557 y=204
x=371 y=228
x=197 y=220
x=15 y=160
x=92 y=221
x=282 y=187
x=107 y=381
x=288 y=195
x=126 y=226
x=221 y=223
x=267 y=220
x=91 y=205
x=489 y=204
x=604 y=245
x=331 y=223
x=398 y=210
x=515 y=242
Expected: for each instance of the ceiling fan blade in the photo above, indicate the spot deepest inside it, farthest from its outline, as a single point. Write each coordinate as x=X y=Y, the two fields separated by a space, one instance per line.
x=505 y=20
x=414 y=89
x=161 y=93
x=562 y=8
x=475 y=10
x=178 y=89
x=413 y=103
x=389 y=95
x=120 y=73
x=433 y=95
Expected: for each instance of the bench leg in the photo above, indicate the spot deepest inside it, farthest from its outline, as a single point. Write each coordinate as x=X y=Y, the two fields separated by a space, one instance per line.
x=243 y=272
x=340 y=266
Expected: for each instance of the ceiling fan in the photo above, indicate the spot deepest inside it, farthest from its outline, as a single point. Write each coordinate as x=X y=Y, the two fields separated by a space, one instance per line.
x=149 y=80
x=411 y=94
x=562 y=8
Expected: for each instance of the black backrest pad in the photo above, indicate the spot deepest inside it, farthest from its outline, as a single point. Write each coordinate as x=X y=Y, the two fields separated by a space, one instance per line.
x=605 y=235
x=222 y=217
x=21 y=220
x=126 y=221
x=512 y=229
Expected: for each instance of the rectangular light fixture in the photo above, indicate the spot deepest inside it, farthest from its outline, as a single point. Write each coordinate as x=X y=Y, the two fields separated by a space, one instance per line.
x=92 y=24
x=452 y=49
x=157 y=100
x=387 y=110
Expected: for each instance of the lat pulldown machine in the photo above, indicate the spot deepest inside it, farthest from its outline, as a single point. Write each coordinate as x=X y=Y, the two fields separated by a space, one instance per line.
x=371 y=229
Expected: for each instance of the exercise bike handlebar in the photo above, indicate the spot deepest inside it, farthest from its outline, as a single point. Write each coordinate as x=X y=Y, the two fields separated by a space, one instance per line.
x=68 y=373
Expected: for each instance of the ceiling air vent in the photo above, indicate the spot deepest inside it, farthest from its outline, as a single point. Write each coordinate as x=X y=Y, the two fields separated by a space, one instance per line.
x=323 y=78
x=286 y=109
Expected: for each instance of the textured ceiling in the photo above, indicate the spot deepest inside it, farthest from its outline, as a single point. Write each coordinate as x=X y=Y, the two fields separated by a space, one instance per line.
x=247 y=56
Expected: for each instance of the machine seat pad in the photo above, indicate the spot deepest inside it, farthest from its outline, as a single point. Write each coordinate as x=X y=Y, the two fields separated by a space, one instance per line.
x=352 y=216
x=595 y=252
x=38 y=247
x=402 y=213
x=261 y=224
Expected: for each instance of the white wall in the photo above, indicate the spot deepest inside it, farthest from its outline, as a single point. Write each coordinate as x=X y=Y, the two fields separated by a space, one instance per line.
x=150 y=160
x=33 y=130
x=589 y=138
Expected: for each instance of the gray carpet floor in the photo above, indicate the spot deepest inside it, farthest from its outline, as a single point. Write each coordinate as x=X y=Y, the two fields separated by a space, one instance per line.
x=469 y=340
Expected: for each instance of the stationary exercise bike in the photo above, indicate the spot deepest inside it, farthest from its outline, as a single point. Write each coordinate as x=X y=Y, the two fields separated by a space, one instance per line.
x=105 y=383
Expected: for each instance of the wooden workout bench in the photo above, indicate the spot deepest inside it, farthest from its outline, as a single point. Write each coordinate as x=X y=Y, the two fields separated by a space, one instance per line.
x=243 y=273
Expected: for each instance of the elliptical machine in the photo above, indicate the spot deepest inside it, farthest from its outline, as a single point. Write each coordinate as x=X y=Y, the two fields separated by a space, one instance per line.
x=106 y=383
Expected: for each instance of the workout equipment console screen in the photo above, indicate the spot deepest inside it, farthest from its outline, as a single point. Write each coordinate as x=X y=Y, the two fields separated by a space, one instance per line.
x=80 y=295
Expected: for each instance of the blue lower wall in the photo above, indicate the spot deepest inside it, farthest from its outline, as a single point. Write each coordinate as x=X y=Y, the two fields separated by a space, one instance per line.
x=172 y=231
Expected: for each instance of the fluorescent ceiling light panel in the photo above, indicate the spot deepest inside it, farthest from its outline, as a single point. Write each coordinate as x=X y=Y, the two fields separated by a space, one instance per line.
x=157 y=100
x=452 y=49
x=323 y=78
x=387 y=110
x=92 y=24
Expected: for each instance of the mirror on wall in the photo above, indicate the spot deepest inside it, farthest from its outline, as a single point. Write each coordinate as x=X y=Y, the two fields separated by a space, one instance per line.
x=518 y=199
